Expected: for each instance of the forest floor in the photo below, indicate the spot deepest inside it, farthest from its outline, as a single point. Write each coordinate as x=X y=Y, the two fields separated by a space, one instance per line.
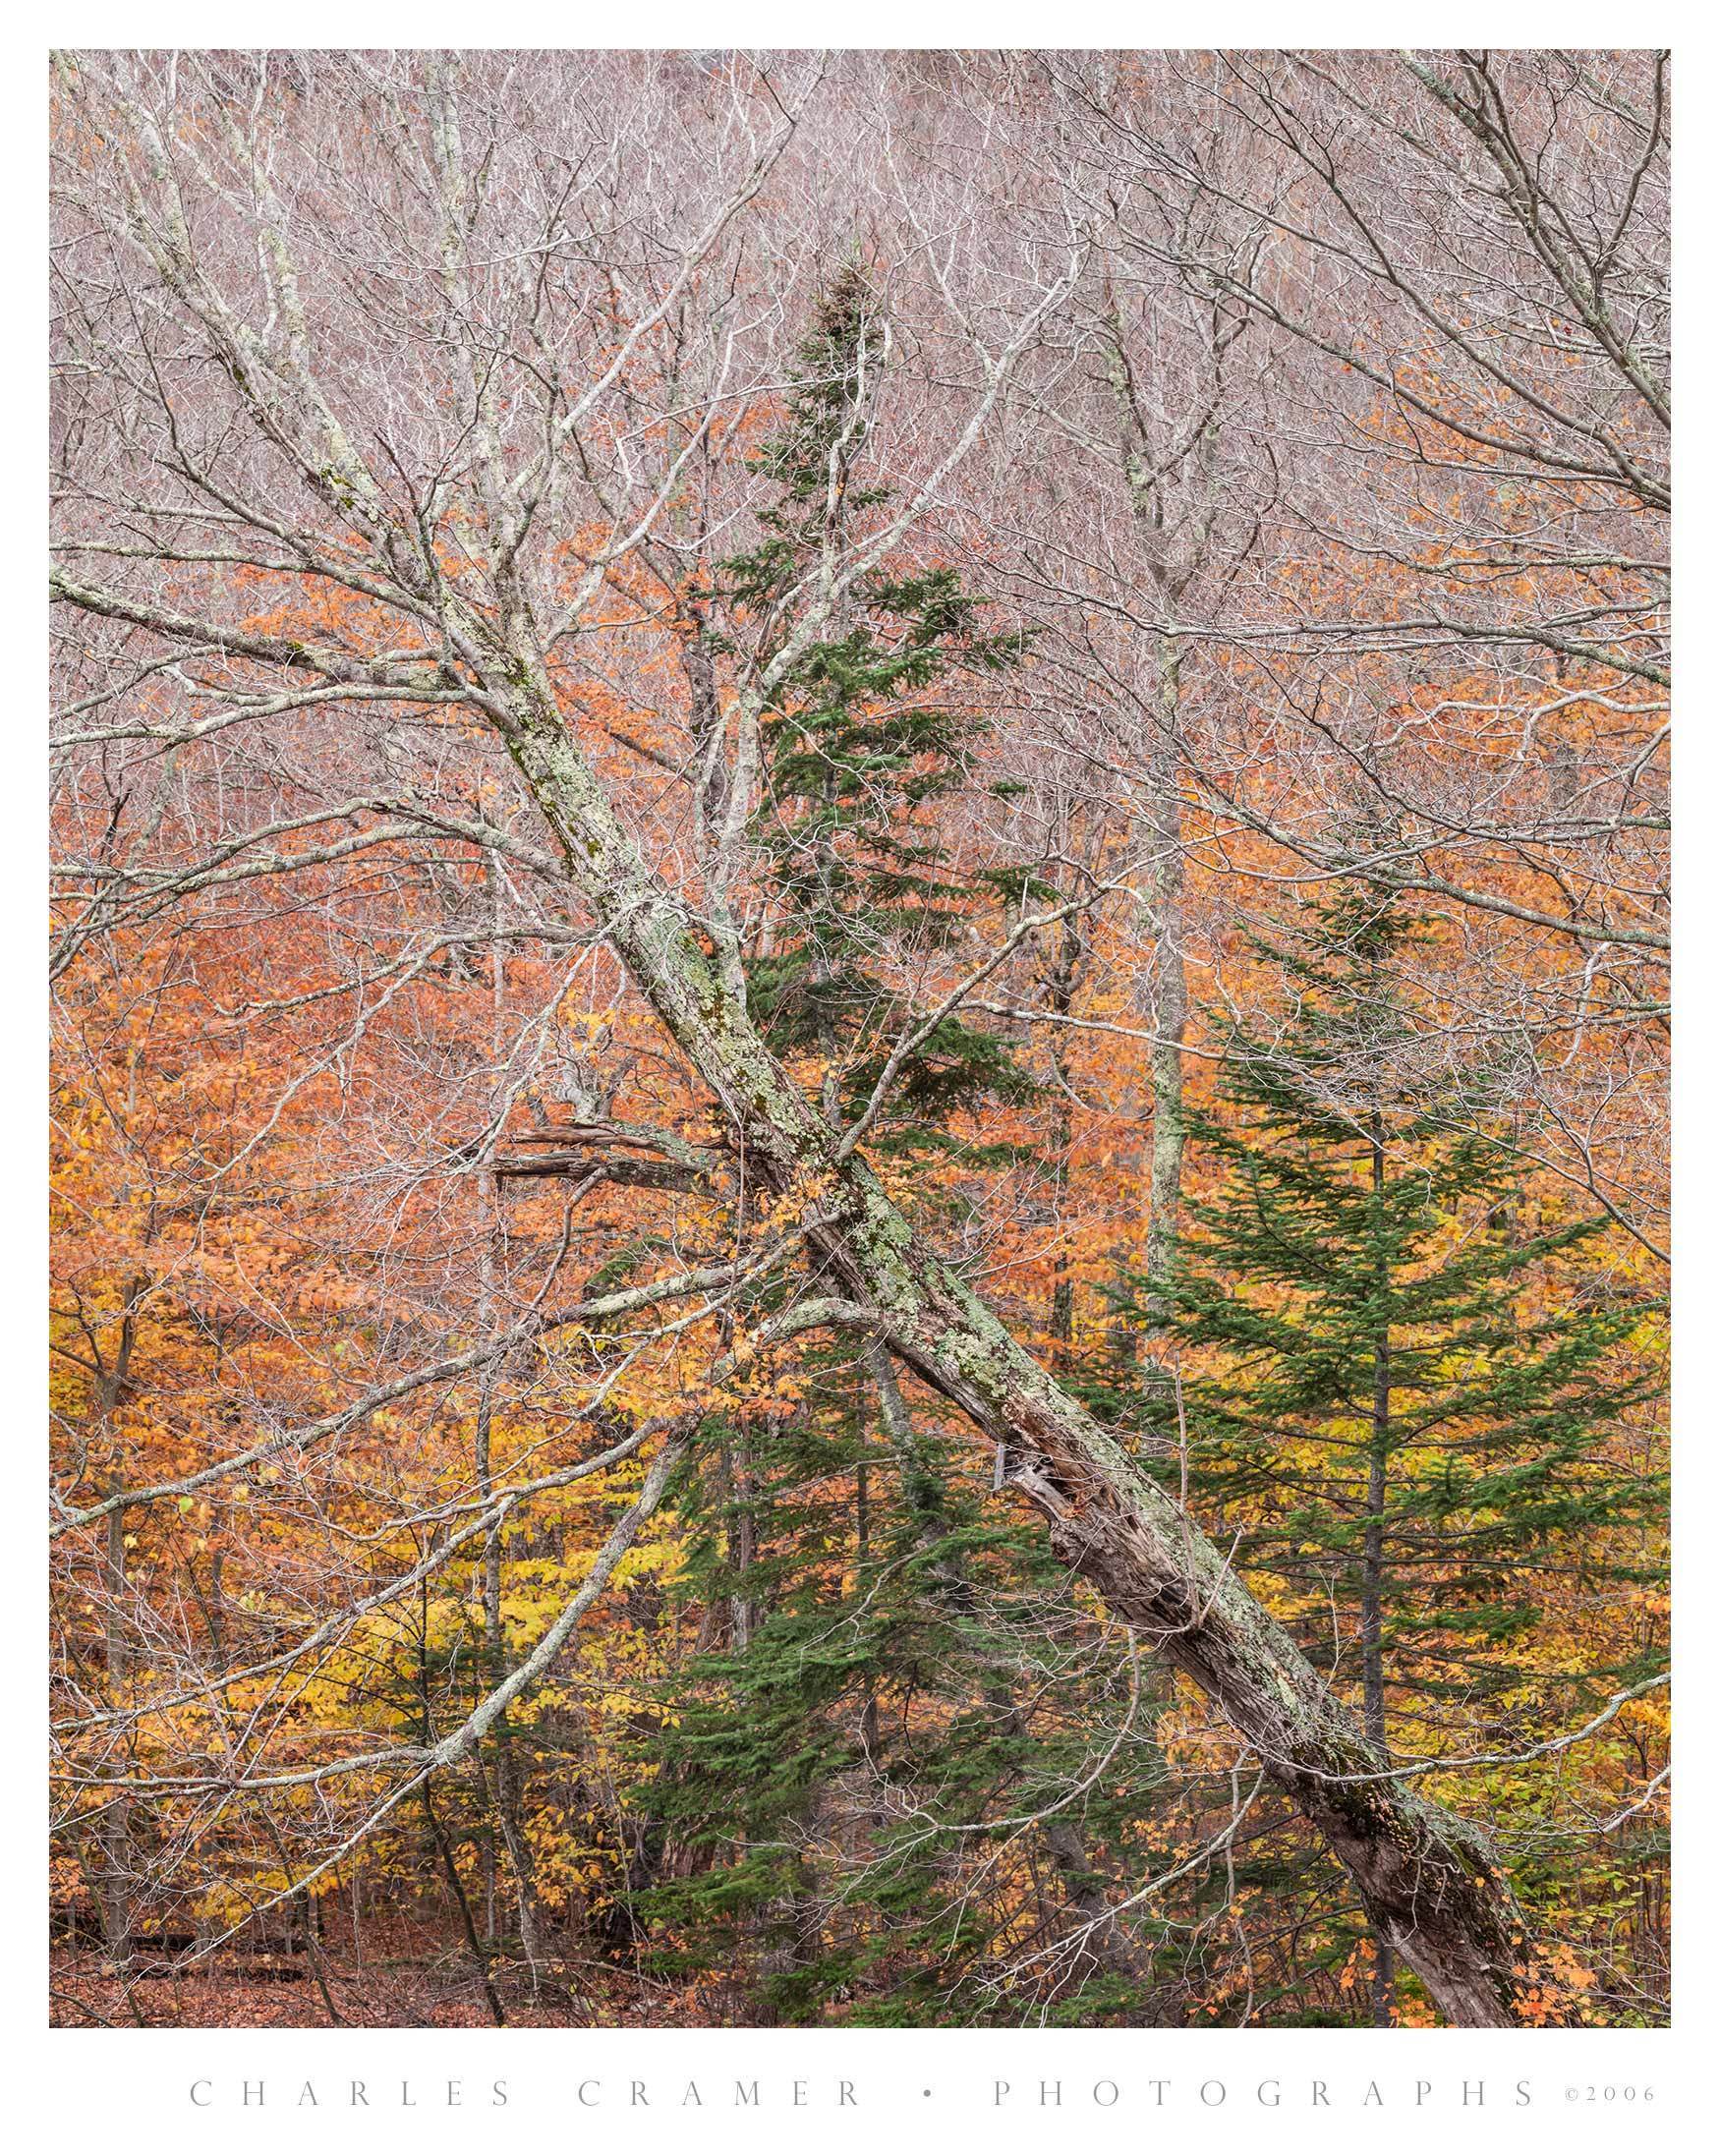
x=284 y=1991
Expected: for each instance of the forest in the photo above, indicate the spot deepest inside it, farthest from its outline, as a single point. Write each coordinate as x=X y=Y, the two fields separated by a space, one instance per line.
x=858 y=948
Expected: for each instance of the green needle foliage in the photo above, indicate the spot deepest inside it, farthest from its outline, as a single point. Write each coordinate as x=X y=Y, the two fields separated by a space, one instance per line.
x=1415 y=1405
x=864 y=1698
x=863 y=744
x=1406 y=1406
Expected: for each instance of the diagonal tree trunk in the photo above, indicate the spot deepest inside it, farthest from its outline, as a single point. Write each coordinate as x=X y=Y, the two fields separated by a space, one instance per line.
x=1429 y=1883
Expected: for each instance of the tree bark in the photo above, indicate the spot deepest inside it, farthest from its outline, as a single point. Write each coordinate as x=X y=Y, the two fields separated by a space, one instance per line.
x=509 y=1791
x=1428 y=1882
x=1373 y=1565
x=1168 y=984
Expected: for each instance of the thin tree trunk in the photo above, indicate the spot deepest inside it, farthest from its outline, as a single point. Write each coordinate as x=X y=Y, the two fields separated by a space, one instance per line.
x=508 y=1807
x=451 y=1870
x=115 y=1830
x=480 y=1958
x=116 y=1838
x=1107 y=1943
x=1168 y=982
x=862 y=1564
x=1373 y=1666
x=307 y=1907
x=1059 y=997
x=742 y=1539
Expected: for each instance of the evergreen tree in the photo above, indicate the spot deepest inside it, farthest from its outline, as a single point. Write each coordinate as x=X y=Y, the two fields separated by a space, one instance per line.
x=861 y=753
x=877 y=1600
x=1411 y=1404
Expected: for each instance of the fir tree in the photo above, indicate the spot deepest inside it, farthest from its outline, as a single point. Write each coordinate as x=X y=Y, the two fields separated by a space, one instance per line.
x=877 y=1600
x=1412 y=1403
x=863 y=746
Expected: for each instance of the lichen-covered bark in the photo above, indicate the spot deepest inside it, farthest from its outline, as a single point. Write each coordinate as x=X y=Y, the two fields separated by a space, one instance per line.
x=1427 y=1881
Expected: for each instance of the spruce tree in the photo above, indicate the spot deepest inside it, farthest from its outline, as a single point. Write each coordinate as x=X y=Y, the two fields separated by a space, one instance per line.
x=863 y=744
x=1404 y=1403
x=878 y=1599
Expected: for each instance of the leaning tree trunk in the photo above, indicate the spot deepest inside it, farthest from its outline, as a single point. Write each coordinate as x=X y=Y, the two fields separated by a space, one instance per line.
x=1427 y=1881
